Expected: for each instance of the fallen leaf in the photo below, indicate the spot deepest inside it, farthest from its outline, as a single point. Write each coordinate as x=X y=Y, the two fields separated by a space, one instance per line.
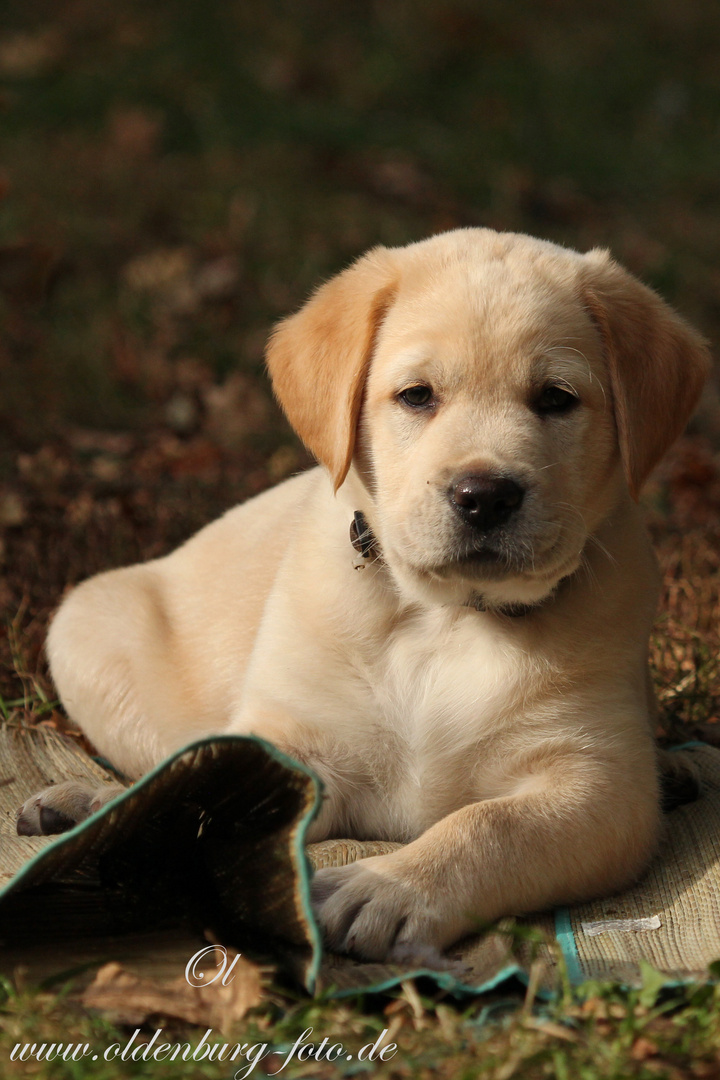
x=160 y=271
x=130 y=999
x=12 y=509
x=642 y=1049
x=134 y=132
x=237 y=409
x=555 y=1031
x=23 y=55
x=27 y=270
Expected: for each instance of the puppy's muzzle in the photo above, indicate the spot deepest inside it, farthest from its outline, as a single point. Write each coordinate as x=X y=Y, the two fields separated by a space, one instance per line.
x=486 y=501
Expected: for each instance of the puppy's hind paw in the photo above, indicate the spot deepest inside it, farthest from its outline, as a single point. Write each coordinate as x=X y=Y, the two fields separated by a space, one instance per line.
x=61 y=806
x=679 y=780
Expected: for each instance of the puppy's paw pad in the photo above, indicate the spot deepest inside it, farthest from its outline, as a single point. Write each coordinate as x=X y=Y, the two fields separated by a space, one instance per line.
x=54 y=821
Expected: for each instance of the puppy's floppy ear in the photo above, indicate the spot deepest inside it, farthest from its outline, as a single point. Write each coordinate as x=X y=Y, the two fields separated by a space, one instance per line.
x=657 y=363
x=318 y=358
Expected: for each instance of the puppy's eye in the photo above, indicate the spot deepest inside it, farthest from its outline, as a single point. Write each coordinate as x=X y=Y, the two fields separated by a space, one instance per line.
x=555 y=400
x=417 y=397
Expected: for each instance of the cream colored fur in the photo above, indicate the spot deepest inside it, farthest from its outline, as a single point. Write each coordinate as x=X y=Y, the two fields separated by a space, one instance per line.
x=513 y=754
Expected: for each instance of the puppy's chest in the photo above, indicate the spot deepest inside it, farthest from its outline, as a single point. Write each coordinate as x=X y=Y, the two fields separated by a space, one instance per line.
x=443 y=692
x=438 y=671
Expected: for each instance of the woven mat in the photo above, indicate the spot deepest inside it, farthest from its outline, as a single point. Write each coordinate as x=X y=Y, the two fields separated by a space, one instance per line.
x=212 y=842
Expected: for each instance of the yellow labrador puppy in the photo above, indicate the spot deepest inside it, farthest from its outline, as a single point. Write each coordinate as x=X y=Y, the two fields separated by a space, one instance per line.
x=449 y=619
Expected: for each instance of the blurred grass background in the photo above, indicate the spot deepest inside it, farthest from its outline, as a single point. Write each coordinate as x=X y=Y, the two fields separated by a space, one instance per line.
x=177 y=175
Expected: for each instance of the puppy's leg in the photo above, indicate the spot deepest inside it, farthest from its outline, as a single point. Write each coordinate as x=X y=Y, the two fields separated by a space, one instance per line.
x=61 y=806
x=121 y=675
x=573 y=832
x=302 y=741
x=121 y=671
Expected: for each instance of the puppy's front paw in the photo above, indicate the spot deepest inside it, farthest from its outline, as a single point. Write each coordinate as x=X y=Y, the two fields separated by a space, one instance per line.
x=61 y=806
x=373 y=910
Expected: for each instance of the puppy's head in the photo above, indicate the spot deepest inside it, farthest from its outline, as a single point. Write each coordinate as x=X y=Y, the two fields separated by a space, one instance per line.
x=494 y=391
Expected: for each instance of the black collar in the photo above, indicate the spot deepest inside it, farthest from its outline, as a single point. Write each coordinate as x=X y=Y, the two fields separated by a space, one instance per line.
x=512 y=611
x=361 y=536
x=364 y=541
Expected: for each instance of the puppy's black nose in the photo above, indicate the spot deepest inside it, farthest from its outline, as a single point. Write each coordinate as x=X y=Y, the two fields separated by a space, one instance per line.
x=484 y=501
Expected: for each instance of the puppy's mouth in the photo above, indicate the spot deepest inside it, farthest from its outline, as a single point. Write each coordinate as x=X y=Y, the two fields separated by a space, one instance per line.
x=521 y=564
x=503 y=558
x=490 y=578
x=487 y=561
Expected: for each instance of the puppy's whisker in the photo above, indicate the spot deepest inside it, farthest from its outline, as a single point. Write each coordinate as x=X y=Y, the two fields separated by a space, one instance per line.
x=601 y=547
x=569 y=348
x=591 y=538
